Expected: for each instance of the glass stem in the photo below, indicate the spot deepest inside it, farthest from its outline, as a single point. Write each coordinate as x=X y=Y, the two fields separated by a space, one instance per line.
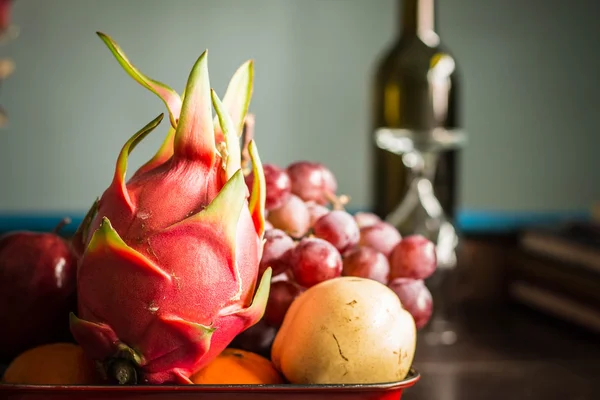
x=439 y=330
x=430 y=161
x=421 y=166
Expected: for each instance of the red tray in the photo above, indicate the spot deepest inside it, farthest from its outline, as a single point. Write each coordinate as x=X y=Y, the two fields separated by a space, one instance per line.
x=384 y=391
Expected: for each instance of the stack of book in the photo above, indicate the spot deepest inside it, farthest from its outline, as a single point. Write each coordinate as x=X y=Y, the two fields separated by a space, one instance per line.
x=557 y=271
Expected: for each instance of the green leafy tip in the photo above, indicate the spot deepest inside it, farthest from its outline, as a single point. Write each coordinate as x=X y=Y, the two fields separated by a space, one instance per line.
x=164 y=153
x=223 y=211
x=195 y=137
x=198 y=331
x=237 y=96
x=166 y=94
x=233 y=156
x=255 y=312
x=121 y=169
x=105 y=238
x=81 y=234
x=247 y=136
x=259 y=191
x=227 y=206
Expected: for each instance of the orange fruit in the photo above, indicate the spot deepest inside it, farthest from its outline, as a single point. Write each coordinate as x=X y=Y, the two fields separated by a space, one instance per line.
x=52 y=364
x=235 y=366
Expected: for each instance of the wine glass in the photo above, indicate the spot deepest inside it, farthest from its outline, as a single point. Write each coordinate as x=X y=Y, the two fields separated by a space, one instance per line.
x=420 y=212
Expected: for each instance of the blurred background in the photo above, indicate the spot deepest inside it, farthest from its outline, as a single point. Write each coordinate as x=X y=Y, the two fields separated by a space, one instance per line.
x=522 y=192
x=528 y=94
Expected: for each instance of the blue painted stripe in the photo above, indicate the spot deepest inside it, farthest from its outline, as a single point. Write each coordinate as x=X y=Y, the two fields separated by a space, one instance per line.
x=468 y=221
x=39 y=222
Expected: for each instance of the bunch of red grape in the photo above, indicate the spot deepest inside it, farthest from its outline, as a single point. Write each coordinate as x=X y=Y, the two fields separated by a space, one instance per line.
x=310 y=238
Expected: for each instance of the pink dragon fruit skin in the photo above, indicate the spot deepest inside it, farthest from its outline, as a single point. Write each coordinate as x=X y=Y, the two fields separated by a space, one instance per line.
x=168 y=271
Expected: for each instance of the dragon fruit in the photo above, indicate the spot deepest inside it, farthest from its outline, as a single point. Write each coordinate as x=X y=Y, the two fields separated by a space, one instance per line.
x=169 y=259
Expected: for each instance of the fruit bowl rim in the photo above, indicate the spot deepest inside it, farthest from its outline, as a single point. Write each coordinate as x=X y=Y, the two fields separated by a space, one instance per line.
x=412 y=378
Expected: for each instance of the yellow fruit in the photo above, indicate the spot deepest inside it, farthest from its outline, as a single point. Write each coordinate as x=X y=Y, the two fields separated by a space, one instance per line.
x=345 y=330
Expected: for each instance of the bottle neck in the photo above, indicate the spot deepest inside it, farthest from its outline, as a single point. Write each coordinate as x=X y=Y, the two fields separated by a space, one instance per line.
x=417 y=17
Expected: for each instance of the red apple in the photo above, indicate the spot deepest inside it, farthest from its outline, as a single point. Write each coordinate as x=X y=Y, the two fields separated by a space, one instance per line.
x=37 y=290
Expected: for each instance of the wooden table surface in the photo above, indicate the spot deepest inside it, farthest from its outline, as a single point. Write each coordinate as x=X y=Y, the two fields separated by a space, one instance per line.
x=509 y=353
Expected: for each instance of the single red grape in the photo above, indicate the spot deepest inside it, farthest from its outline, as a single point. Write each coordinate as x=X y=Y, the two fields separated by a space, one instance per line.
x=292 y=217
x=281 y=296
x=276 y=252
x=381 y=236
x=415 y=298
x=414 y=257
x=364 y=219
x=316 y=211
x=314 y=261
x=338 y=228
x=365 y=262
x=257 y=339
x=278 y=186
x=312 y=181
x=329 y=181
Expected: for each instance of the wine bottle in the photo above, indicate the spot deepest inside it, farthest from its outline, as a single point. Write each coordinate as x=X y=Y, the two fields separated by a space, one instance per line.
x=416 y=90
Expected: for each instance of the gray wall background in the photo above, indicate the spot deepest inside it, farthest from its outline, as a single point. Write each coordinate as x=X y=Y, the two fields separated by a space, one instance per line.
x=530 y=73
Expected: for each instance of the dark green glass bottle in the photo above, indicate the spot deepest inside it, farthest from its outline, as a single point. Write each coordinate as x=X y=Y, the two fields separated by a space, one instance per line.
x=416 y=90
